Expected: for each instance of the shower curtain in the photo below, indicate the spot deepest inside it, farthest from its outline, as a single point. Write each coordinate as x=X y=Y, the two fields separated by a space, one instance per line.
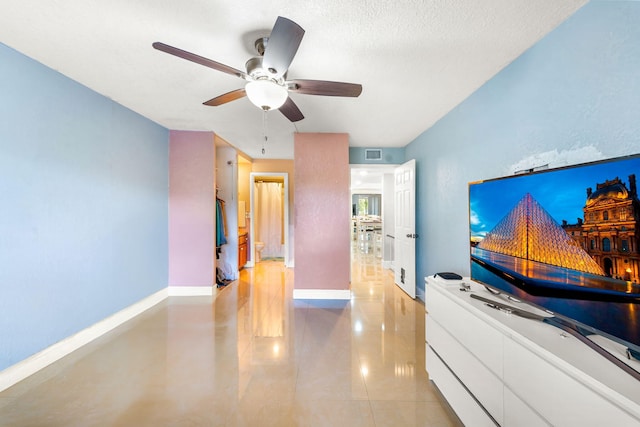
x=269 y=218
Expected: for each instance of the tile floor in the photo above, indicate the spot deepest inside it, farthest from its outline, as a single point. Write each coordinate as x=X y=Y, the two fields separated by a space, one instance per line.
x=251 y=356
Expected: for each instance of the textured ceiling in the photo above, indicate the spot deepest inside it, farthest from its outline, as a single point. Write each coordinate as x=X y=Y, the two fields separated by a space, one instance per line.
x=416 y=59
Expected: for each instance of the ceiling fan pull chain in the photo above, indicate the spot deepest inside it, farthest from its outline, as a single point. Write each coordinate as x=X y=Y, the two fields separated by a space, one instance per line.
x=264 y=129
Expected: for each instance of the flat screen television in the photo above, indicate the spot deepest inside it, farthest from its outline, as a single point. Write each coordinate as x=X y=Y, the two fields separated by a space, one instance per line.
x=566 y=240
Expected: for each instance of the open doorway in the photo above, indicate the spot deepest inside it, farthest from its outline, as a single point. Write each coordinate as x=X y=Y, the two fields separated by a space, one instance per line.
x=269 y=213
x=372 y=213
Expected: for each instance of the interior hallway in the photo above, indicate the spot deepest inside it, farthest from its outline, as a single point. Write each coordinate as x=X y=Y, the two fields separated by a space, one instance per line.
x=251 y=356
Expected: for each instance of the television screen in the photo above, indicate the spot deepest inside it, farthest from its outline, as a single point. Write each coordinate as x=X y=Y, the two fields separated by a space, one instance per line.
x=566 y=240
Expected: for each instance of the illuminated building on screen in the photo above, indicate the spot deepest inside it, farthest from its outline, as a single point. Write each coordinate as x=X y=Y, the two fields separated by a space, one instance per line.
x=609 y=230
x=529 y=232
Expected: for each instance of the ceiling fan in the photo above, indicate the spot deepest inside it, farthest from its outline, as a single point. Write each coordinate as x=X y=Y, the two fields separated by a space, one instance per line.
x=267 y=85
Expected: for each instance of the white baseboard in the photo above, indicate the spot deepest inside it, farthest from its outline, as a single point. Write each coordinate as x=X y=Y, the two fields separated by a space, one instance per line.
x=341 y=294
x=29 y=366
x=190 y=291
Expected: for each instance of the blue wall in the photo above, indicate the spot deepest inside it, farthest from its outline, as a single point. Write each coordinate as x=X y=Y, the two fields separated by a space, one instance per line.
x=573 y=97
x=83 y=207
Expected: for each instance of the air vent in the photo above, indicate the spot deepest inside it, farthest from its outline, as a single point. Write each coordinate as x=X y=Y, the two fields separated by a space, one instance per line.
x=373 y=154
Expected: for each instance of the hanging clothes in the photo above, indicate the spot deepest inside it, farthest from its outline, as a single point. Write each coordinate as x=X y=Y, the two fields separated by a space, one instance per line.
x=221 y=223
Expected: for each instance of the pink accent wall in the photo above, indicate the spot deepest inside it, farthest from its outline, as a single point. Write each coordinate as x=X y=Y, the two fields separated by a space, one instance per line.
x=191 y=208
x=322 y=211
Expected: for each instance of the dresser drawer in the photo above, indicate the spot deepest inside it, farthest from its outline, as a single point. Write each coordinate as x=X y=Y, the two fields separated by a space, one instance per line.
x=472 y=333
x=484 y=385
x=557 y=396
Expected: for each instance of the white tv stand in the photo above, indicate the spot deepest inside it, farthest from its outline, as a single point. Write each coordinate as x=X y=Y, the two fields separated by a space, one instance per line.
x=496 y=368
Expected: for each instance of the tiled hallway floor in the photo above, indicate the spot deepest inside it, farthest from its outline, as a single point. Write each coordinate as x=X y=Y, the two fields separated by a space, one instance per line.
x=251 y=356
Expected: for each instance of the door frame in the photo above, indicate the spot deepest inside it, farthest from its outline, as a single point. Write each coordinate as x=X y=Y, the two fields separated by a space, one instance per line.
x=388 y=223
x=257 y=176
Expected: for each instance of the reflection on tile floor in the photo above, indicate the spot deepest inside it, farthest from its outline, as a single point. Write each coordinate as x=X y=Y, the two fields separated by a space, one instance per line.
x=251 y=356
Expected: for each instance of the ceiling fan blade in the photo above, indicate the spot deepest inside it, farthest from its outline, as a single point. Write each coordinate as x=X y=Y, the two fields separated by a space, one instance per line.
x=227 y=97
x=199 y=59
x=322 y=87
x=291 y=111
x=282 y=46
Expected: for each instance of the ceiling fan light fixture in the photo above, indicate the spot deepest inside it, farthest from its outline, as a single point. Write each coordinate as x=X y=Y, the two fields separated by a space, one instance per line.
x=266 y=94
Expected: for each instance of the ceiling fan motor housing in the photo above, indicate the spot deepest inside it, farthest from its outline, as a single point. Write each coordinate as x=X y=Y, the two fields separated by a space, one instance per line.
x=254 y=67
x=257 y=72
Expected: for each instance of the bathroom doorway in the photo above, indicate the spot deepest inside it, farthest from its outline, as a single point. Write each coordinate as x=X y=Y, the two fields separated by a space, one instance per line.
x=269 y=212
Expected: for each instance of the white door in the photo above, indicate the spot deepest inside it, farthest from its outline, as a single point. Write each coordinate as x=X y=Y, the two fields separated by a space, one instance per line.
x=405 y=229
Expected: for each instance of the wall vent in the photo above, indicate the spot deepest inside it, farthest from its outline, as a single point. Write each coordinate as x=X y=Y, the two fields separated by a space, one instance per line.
x=373 y=154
